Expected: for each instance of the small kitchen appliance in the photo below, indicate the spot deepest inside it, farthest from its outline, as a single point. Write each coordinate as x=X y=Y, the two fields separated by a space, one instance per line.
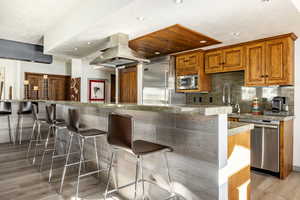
x=188 y=82
x=279 y=104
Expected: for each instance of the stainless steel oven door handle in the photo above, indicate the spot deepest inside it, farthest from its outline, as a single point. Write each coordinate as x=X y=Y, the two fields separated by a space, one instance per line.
x=265 y=126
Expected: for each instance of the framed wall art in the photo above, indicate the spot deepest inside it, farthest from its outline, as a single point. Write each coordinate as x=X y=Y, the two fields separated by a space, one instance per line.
x=96 y=90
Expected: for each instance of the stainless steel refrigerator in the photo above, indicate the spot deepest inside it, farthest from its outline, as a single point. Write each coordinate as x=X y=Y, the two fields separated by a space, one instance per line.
x=159 y=83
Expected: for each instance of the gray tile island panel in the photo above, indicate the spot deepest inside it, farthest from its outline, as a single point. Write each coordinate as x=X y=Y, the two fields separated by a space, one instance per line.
x=199 y=142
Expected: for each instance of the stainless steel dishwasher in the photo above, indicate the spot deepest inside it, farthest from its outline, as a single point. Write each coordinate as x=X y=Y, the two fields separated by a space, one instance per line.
x=264 y=144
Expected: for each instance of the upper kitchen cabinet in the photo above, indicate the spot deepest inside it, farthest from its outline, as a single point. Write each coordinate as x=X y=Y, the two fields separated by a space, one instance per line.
x=187 y=64
x=255 y=64
x=213 y=62
x=190 y=74
x=279 y=64
x=225 y=60
x=270 y=62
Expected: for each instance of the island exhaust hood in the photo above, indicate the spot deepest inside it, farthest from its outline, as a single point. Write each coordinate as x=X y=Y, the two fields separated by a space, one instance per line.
x=114 y=51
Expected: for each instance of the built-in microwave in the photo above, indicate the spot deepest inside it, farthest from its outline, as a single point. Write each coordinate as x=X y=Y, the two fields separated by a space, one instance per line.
x=188 y=82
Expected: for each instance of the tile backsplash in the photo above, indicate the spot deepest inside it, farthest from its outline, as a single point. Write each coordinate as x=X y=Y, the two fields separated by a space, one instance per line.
x=241 y=94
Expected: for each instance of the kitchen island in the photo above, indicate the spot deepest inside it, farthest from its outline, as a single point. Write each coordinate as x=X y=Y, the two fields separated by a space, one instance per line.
x=198 y=135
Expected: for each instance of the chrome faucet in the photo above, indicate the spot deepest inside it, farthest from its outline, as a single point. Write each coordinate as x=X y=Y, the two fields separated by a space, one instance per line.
x=228 y=102
x=238 y=108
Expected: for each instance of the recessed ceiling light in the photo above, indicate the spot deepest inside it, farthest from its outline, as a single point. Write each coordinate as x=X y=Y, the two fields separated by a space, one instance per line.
x=178 y=1
x=203 y=41
x=75 y=48
x=157 y=52
x=89 y=43
x=140 y=18
x=235 y=34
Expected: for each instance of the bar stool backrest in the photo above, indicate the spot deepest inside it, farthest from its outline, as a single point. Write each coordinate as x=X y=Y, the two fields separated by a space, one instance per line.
x=26 y=107
x=74 y=118
x=34 y=112
x=5 y=108
x=120 y=131
x=50 y=114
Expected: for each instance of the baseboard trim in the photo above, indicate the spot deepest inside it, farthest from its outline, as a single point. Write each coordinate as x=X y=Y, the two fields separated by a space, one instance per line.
x=296 y=168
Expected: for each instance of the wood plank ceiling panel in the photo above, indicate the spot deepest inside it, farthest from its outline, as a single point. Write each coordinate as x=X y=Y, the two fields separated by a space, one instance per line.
x=169 y=40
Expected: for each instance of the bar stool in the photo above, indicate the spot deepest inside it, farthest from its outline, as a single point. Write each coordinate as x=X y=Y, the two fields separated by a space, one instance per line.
x=54 y=126
x=37 y=138
x=25 y=109
x=82 y=135
x=5 y=111
x=120 y=138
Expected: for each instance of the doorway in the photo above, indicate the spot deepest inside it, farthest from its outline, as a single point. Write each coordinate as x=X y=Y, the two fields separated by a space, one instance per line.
x=128 y=85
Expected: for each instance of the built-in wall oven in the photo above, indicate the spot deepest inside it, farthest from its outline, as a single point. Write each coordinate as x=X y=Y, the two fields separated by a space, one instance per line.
x=188 y=82
x=264 y=144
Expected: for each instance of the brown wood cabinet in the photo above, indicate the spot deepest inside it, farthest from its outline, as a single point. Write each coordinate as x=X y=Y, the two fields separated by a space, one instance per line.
x=225 y=60
x=270 y=63
x=213 y=62
x=255 y=64
x=192 y=63
x=187 y=64
x=58 y=86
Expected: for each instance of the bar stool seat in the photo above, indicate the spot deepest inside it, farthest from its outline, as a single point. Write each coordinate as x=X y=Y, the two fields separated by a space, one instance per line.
x=90 y=133
x=141 y=147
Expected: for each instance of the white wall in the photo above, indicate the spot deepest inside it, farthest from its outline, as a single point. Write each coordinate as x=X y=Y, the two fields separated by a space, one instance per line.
x=82 y=69
x=15 y=73
x=90 y=73
x=297 y=107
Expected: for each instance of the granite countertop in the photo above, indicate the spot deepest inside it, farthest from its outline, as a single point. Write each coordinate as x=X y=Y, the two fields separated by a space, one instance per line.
x=238 y=127
x=261 y=117
x=180 y=108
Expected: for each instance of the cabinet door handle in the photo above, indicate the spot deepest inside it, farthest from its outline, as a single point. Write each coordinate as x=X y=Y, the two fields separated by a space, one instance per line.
x=266 y=76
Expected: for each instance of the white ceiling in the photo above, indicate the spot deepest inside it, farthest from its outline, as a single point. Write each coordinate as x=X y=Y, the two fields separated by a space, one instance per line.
x=29 y=20
x=253 y=19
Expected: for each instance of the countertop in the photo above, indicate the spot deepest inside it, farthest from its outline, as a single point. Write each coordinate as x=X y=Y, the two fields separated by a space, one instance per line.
x=261 y=117
x=238 y=127
x=180 y=108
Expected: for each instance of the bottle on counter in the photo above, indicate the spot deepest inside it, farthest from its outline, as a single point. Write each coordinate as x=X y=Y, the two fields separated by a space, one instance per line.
x=255 y=107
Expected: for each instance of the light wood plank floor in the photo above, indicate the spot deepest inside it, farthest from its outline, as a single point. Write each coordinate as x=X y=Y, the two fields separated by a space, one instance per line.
x=19 y=180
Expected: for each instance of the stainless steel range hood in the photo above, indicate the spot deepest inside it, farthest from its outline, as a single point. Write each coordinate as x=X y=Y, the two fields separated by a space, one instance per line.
x=114 y=52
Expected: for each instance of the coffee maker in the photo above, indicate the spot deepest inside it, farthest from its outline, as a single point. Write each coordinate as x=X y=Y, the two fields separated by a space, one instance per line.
x=279 y=104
